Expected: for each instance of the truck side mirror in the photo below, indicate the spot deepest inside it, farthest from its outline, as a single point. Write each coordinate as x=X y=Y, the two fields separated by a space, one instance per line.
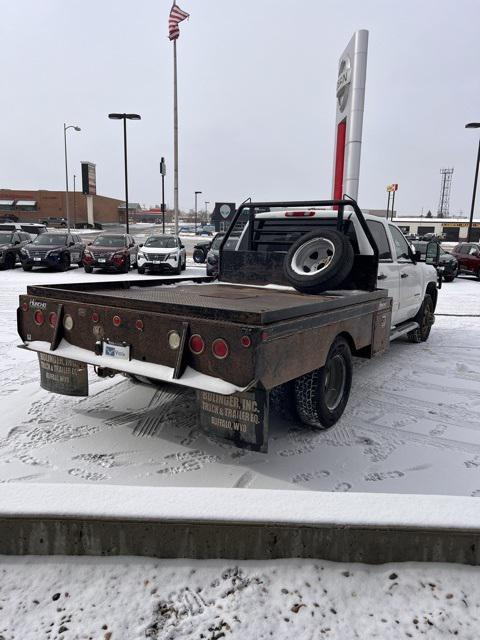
x=432 y=255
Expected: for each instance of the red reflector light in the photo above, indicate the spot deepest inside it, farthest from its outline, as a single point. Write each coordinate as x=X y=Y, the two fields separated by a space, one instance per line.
x=196 y=344
x=117 y=321
x=139 y=325
x=24 y=306
x=38 y=317
x=246 y=341
x=52 y=319
x=95 y=317
x=220 y=348
x=299 y=214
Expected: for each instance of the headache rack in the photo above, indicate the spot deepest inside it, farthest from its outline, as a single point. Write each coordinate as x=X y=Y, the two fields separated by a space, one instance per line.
x=260 y=258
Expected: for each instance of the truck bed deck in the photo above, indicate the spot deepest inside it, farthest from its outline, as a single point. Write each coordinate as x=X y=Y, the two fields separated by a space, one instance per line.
x=246 y=304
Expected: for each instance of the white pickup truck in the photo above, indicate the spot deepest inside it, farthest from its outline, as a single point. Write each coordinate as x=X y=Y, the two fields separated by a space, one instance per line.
x=302 y=287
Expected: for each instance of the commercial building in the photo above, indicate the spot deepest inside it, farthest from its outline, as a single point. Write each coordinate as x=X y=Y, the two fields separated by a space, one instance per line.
x=453 y=229
x=37 y=206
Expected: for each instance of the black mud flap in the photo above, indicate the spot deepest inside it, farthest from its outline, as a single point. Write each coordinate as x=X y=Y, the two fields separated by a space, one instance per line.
x=62 y=375
x=241 y=418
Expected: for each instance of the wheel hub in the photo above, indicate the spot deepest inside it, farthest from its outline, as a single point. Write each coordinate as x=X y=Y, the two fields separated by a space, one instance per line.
x=313 y=257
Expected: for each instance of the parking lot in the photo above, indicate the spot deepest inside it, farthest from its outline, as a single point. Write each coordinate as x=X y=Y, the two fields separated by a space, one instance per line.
x=412 y=423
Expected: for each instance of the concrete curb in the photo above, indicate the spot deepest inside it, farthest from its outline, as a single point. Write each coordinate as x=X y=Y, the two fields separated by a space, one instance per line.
x=237 y=524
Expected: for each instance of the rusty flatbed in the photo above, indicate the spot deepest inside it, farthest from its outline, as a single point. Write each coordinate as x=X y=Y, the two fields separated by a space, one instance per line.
x=233 y=303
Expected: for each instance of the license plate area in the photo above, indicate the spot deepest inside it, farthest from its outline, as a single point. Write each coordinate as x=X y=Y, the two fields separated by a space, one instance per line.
x=35 y=259
x=102 y=260
x=118 y=350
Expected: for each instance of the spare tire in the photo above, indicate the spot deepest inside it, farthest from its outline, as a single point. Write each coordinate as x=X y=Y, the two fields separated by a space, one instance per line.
x=318 y=261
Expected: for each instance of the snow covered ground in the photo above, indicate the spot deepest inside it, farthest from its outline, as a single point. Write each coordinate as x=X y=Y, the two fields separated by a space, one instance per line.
x=412 y=424
x=133 y=598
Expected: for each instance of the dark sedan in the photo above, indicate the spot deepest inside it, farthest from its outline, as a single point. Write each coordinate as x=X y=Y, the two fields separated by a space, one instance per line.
x=213 y=255
x=55 y=250
x=114 y=251
x=447 y=262
x=11 y=243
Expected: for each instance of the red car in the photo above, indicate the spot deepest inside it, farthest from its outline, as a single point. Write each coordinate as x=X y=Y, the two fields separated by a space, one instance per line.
x=468 y=256
x=114 y=251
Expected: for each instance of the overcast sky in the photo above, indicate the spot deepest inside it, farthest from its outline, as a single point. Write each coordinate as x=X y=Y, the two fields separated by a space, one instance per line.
x=256 y=96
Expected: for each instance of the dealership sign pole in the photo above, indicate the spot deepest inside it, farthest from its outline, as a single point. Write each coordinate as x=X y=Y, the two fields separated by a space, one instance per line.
x=352 y=73
x=176 y=16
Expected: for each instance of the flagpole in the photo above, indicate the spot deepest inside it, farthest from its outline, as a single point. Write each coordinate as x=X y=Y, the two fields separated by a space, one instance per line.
x=175 y=137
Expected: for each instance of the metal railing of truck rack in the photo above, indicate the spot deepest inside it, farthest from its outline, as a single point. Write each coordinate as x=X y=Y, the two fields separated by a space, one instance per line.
x=340 y=204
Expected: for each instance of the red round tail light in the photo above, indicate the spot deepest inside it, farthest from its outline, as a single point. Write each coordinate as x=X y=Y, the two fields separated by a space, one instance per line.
x=117 y=321
x=38 y=317
x=139 y=325
x=220 y=348
x=196 y=344
x=95 y=317
x=52 y=319
x=246 y=341
x=24 y=306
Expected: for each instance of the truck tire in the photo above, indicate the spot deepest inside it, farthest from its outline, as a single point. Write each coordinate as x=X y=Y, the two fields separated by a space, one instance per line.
x=322 y=395
x=26 y=267
x=199 y=256
x=318 y=261
x=88 y=269
x=425 y=318
x=10 y=261
x=141 y=270
x=64 y=262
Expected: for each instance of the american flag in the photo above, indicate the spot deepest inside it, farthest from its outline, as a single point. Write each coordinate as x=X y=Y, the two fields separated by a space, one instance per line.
x=176 y=16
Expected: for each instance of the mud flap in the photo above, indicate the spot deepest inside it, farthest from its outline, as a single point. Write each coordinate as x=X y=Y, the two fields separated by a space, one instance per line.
x=62 y=375
x=241 y=418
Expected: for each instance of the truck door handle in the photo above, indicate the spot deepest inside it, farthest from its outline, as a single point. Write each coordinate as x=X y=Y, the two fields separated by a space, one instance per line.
x=382 y=276
x=404 y=275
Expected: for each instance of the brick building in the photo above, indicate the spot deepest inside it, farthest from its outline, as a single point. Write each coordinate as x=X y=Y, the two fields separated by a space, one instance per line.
x=36 y=206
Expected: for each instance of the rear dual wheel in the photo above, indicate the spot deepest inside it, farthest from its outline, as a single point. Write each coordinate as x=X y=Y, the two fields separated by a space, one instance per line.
x=322 y=395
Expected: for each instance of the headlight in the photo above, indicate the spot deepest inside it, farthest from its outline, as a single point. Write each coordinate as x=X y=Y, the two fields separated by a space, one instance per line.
x=88 y=254
x=24 y=252
x=141 y=255
x=54 y=253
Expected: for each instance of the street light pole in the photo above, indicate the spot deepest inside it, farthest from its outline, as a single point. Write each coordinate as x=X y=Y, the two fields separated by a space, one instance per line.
x=65 y=128
x=473 y=125
x=206 y=211
x=196 y=194
x=125 y=117
x=74 y=204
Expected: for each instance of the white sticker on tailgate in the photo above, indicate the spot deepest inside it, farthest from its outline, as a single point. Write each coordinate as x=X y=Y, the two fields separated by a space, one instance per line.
x=116 y=350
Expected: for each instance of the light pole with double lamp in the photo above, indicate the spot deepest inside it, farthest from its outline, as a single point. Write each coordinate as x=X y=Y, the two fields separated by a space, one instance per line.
x=197 y=193
x=473 y=125
x=125 y=117
x=65 y=129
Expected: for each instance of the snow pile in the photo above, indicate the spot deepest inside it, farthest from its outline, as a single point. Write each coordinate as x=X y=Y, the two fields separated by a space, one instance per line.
x=132 y=598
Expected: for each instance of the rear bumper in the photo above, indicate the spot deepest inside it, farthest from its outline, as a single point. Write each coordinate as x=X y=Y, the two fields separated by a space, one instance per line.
x=162 y=373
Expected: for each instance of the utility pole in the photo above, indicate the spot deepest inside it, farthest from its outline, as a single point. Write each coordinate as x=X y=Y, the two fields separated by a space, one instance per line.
x=163 y=171
x=196 y=194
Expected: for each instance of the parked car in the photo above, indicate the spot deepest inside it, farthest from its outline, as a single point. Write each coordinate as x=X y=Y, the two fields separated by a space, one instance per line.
x=447 y=263
x=54 y=221
x=207 y=230
x=162 y=253
x=468 y=256
x=9 y=217
x=11 y=243
x=53 y=249
x=116 y=251
x=213 y=255
x=33 y=228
